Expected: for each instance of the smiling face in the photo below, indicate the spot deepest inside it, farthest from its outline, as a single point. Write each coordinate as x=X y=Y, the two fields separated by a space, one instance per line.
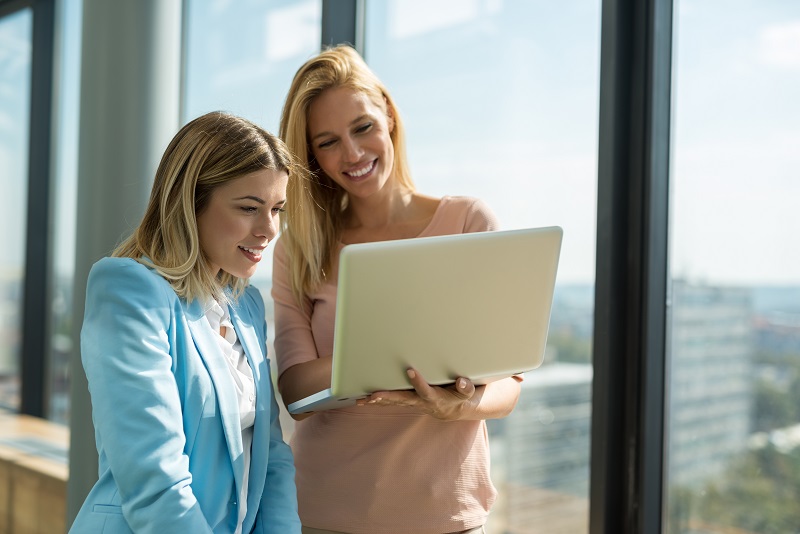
x=240 y=219
x=349 y=137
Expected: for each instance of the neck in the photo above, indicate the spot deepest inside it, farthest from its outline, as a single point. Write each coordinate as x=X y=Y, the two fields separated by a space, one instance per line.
x=381 y=210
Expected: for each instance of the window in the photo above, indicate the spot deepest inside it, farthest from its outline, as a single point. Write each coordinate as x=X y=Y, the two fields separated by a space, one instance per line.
x=734 y=409
x=241 y=58
x=500 y=102
x=65 y=203
x=15 y=76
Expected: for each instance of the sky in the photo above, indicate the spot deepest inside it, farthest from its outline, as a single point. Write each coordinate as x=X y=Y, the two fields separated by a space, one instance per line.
x=500 y=101
x=15 y=52
x=736 y=142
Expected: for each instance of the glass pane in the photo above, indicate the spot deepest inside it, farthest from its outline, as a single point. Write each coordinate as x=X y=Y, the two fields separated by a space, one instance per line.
x=15 y=76
x=734 y=409
x=240 y=58
x=500 y=102
x=65 y=188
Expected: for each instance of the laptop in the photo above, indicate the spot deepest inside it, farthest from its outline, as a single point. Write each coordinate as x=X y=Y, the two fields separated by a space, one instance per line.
x=475 y=305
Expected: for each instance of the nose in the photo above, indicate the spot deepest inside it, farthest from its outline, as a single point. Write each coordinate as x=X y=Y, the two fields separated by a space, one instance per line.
x=267 y=226
x=352 y=151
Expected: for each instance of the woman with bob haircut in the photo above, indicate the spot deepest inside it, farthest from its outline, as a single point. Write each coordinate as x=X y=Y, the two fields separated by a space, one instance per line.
x=399 y=461
x=174 y=347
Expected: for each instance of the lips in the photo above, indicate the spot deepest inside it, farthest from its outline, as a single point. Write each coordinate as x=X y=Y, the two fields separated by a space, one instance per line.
x=362 y=171
x=253 y=254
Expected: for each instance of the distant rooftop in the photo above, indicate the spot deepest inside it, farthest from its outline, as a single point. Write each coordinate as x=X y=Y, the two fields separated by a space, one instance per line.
x=555 y=374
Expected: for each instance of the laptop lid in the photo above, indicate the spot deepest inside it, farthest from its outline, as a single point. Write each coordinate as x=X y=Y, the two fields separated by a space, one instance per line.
x=475 y=305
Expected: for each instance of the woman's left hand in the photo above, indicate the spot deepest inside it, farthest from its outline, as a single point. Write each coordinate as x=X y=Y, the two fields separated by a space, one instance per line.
x=447 y=403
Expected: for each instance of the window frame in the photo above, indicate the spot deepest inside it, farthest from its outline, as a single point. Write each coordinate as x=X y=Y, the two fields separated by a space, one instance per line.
x=35 y=322
x=631 y=288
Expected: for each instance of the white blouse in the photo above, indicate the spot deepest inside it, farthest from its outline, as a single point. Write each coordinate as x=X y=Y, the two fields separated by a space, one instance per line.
x=242 y=374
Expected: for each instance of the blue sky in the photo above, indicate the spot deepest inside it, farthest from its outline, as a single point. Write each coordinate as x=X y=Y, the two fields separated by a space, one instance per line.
x=500 y=101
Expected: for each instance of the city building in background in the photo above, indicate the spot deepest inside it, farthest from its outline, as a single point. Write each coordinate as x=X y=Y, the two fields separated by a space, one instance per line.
x=711 y=377
x=540 y=457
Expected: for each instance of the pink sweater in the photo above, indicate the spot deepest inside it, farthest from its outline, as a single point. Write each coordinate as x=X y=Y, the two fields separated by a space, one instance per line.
x=381 y=470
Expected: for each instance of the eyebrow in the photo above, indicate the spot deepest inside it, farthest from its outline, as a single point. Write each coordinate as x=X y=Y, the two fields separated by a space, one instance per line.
x=252 y=197
x=357 y=119
x=260 y=200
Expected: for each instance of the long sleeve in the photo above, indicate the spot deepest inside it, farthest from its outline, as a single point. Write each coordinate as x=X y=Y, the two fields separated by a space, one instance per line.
x=136 y=405
x=294 y=339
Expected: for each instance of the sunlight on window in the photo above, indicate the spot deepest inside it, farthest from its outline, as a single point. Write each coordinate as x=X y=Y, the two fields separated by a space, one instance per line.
x=733 y=458
x=15 y=72
x=292 y=31
x=500 y=102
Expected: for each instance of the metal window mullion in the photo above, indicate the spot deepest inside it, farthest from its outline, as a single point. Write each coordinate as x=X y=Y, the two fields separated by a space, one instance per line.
x=652 y=422
x=343 y=22
x=7 y=7
x=35 y=316
x=631 y=278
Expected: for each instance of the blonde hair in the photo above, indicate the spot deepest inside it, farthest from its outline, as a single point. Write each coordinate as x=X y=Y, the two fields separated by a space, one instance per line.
x=209 y=151
x=312 y=225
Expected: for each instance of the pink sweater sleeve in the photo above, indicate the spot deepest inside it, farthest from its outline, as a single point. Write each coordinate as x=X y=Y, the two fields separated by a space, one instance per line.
x=480 y=218
x=294 y=340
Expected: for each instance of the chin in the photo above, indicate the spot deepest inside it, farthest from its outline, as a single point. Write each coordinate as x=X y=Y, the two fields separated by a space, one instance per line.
x=242 y=273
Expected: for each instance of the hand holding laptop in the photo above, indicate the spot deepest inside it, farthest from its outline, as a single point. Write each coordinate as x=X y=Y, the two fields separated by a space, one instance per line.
x=442 y=402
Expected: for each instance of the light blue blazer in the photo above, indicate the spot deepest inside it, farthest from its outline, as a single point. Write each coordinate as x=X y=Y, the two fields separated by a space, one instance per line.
x=166 y=413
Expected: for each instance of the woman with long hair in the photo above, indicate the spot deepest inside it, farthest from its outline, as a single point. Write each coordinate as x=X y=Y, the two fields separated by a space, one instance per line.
x=399 y=461
x=174 y=347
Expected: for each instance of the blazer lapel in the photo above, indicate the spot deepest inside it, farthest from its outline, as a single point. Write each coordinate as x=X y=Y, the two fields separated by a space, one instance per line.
x=245 y=331
x=208 y=348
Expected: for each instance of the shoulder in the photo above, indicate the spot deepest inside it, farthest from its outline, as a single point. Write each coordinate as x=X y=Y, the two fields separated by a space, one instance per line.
x=124 y=295
x=466 y=204
x=126 y=276
x=469 y=214
x=124 y=269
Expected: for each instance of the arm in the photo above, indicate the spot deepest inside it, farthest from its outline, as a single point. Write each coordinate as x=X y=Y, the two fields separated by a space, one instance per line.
x=304 y=379
x=125 y=349
x=459 y=402
x=301 y=370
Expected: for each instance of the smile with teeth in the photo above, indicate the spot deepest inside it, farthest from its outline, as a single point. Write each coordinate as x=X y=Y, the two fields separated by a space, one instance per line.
x=358 y=173
x=253 y=253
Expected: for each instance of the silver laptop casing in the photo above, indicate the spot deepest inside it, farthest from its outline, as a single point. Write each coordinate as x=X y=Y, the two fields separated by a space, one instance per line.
x=475 y=305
